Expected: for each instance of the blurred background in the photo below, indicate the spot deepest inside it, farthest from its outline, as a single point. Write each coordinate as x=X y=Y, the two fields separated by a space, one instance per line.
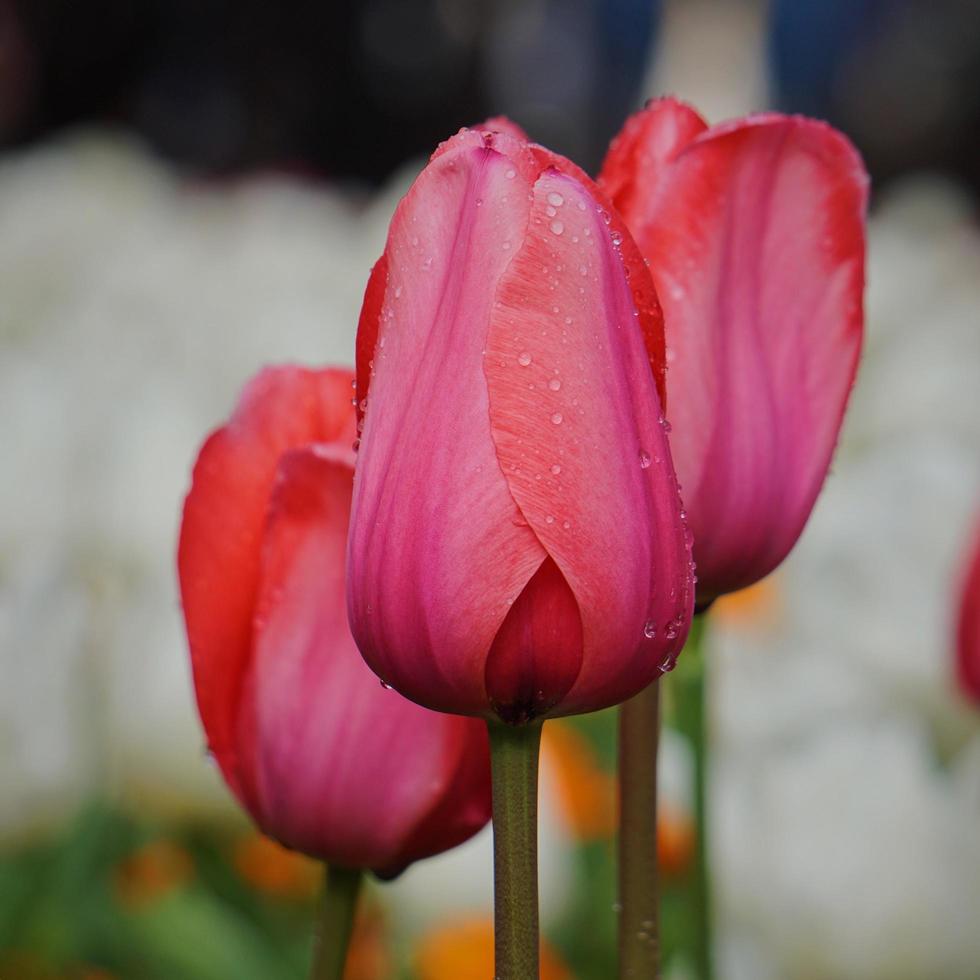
x=189 y=190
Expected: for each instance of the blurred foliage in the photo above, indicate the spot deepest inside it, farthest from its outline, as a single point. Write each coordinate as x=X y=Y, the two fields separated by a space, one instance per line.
x=117 y=896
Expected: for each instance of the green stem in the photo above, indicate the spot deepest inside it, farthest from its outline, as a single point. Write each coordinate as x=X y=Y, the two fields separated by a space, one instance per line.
x=336 y=923
x=514 y=768
x=639 y=933
x=689 y=689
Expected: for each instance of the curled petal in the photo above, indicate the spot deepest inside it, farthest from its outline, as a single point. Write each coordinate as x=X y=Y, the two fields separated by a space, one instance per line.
x=755 y=236
x=576 y=423
x=319 y=712
x=223 y=521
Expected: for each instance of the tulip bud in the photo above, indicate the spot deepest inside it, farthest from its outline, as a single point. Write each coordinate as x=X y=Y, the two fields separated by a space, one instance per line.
x=968 y=626
x=323 y=758
x=754 y=232
x=517 y=547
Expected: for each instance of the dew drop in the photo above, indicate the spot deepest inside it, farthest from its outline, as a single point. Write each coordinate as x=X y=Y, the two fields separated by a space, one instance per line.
x=556 y=199
x=555 y=470
x=524 y=358
x=398 y=291
x=644 y=459
x=511 y=174
x=556 y=418
x=557 y=227
x=506 y=246
x=554 y=384
x=384 y=684
x=550 y=519
x=649 y=629
x=567 y=525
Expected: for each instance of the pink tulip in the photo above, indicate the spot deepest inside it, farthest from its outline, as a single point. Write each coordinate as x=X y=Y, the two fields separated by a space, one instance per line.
x=323 y=757
x=968 y=625
x=754 y=231
x=517 y=548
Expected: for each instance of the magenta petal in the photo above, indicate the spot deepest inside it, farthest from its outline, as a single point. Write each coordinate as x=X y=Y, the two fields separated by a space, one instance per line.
x=437 y=544
x=576 y=423
x=320 y=714
x=537 y=652
x=968 y=625
x=755 y=237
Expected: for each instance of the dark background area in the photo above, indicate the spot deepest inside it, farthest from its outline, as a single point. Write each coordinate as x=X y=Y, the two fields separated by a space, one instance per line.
x=352 y=88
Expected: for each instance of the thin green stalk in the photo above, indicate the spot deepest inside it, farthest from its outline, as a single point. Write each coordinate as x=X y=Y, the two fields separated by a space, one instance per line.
x=514 y=769
x=336 y=923
x=639 y=933
x=689 y=690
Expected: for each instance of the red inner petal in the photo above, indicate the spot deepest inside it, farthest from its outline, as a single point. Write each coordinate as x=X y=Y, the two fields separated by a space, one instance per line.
x=537 y=652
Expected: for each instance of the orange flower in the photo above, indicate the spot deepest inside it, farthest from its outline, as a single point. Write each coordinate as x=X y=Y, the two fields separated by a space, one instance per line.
x=271 y=868
x=463 y=950
x=367 y=958
x=151 y=872
x=586 y=791
x=758 y=607
x=675 y=840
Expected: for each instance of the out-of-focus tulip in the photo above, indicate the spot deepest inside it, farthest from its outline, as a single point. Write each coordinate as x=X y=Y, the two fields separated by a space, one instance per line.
x=968 y=626
x=517 y=546
x=754 y=231
x=324 y=759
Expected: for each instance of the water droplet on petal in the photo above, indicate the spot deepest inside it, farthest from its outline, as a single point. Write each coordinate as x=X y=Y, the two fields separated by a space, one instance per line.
x=649 y=629
x=511 y=174
x=554 y=384
x=385 y=684
x=556 y=418
x=556 y=199
x=555 y=470
x=557 y=227
x=524 y=358
x=644 y=459
x=549 y=519
x=398 y=291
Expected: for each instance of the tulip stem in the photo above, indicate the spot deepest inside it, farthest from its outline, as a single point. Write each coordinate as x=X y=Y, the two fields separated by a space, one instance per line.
x=336 y=922
x=514 y=768
x=639 y=928
x=689 y=695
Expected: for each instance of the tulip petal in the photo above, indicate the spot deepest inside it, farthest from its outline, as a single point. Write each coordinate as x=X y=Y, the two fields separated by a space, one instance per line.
x=574 y=412
x=650 y=315
x=637 y=159
x=314 y=698
x=968 y=626
x=433 y=579
x=367 y=332
x=224 y=517
x=755 y=239
x=537 y=652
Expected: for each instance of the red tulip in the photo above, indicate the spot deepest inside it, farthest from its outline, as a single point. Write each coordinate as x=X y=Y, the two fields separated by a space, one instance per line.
x=323 y=757
x=754 y=232
x=968 y=626
x=517 y=546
